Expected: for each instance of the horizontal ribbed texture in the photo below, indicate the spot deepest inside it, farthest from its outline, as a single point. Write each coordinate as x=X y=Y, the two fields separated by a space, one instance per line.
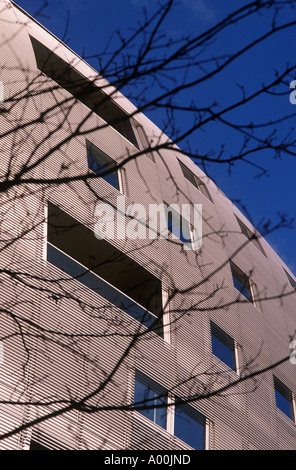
x=62 y=341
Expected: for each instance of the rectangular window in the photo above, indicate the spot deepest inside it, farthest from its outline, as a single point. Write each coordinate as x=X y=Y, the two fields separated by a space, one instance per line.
x=100 y=163
x=283 y=398
x=193 y=179
x=189 y=425
x=177 y=225
x=250 y=236
x=291 y=280
x=223 y=346
x=241 y=282
x=143 y=142
x=83 y=90
x=171 y=413
x=149 y=398
x=98 y=265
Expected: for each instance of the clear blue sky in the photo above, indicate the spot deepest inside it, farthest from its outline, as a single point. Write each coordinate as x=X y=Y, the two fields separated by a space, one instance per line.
x=91 y=24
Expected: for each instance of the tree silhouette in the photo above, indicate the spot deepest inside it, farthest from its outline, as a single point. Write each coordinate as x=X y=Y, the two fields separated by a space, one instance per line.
x=80 y=315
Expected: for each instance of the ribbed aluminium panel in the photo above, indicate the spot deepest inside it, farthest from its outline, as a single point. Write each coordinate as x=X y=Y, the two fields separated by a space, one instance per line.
x=147 y=436
x=260 y=416
x=92 y=439
x=67 y=366
x=285 y=432
x=227 y=438
x=11 y=417
x=57 y=433
x=255 y=349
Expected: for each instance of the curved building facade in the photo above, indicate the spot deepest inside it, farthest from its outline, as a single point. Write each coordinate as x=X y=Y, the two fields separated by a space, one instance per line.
x=136 y=299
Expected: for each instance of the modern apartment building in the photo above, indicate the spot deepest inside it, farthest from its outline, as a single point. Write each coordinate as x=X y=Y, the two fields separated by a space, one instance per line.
x=128 y=341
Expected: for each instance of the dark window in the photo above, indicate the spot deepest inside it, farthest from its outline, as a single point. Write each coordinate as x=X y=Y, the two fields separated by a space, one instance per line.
x=101 y=163
x=143 y=141
x=223 y=346
x=151 y=400
x=177 y=225
x=291 y=280
x=83 y=90
x=189 y=425
x=283 y=398
x=151 y=396
x=241 y=282
x=193 y=179
x=110 y=273
x=250 y=236
x=36 y=446
x=41 y=441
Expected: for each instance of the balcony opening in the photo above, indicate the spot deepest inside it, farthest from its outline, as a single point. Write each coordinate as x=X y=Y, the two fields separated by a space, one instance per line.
x=112 y=274
x=83 y=90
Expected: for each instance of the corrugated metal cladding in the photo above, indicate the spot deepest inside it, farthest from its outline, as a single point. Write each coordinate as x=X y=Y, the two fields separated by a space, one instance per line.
x=61 y=341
